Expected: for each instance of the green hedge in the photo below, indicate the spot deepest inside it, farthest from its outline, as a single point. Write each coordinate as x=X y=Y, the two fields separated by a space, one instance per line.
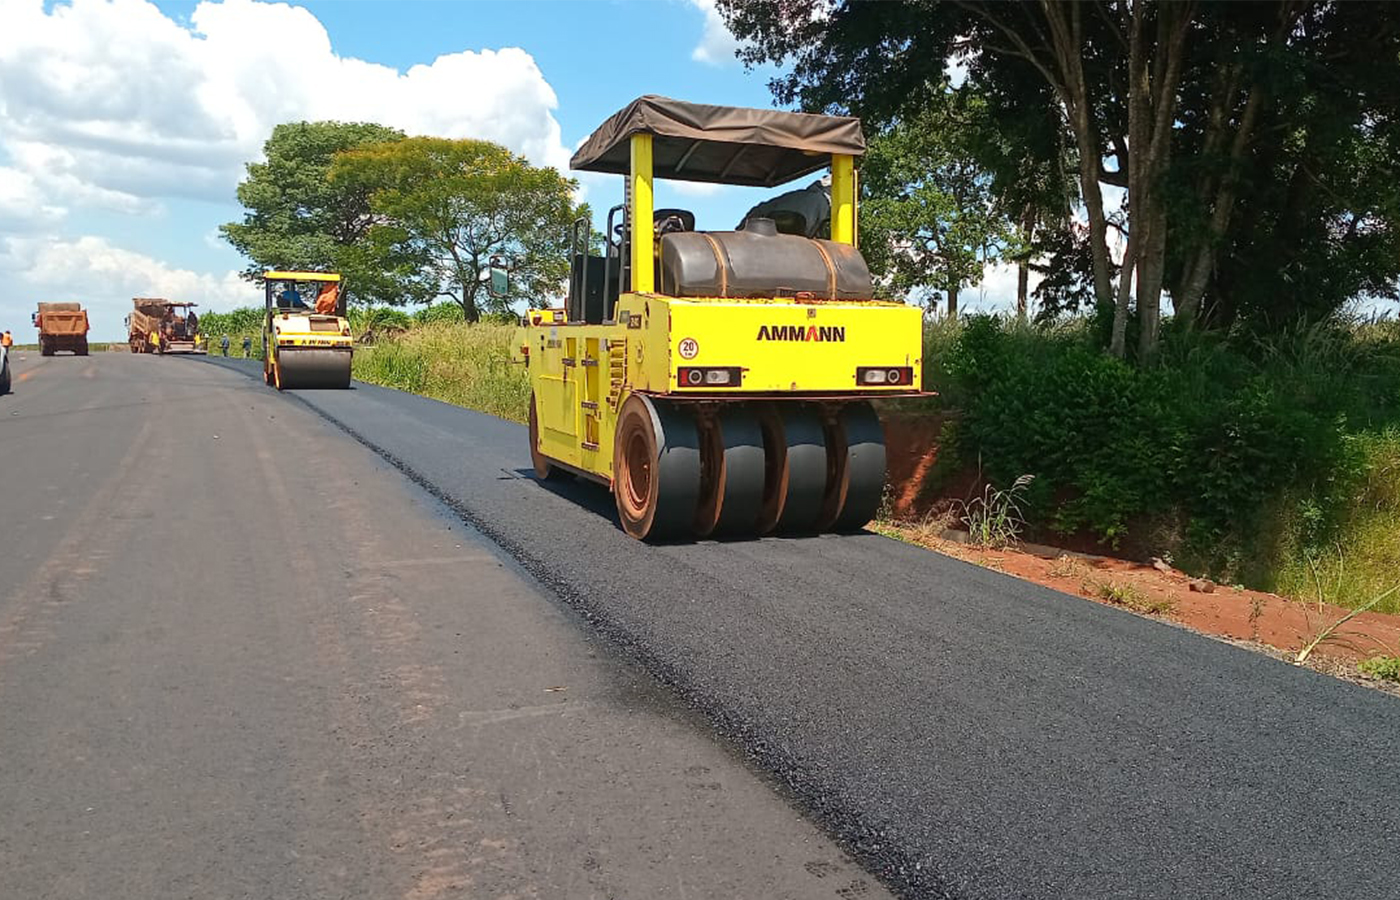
x=1234 y=455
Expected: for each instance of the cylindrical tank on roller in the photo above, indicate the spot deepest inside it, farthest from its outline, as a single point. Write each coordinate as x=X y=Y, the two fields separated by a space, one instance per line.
x=760 y=262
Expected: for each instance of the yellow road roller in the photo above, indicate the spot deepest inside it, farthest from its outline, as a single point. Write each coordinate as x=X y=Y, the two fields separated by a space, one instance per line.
x=306 y=337
x=719 y=382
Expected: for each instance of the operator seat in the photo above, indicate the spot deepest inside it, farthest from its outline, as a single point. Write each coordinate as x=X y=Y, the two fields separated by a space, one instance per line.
x=670 y=221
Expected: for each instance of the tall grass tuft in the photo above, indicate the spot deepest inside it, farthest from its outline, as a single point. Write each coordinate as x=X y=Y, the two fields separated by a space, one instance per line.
x=467 y=365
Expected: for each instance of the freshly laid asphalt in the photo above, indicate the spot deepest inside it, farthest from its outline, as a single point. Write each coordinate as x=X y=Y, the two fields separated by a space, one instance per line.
x=243 y=657
x=965 y=734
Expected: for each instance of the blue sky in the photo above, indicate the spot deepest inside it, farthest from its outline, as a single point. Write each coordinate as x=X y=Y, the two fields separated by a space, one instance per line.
x=125 y=124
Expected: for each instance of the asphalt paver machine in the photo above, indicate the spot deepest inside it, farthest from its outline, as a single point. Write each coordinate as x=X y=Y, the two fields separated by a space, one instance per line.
x=720 y=382
x=306 y=336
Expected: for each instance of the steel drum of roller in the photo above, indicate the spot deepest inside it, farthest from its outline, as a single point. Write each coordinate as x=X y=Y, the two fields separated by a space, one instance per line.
x=314 y=368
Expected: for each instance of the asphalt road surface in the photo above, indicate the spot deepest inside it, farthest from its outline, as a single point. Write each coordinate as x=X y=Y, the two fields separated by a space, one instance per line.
x=241 y=656
x=315 y=709
x=965 y=734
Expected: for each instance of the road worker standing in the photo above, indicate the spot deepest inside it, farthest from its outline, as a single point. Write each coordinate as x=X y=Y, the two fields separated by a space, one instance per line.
x=5 y=339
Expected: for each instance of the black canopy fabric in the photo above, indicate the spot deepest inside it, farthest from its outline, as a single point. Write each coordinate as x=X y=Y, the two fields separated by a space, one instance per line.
x=725 y=144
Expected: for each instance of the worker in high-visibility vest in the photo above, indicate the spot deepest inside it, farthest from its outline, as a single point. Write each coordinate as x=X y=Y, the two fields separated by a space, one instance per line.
x=155 y=341
x=6 y=340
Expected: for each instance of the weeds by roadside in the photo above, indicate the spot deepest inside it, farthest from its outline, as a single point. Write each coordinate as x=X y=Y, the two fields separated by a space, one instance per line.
x=1119 y=593
x=1383 y=668
x=1329 y=632
x=995 y=520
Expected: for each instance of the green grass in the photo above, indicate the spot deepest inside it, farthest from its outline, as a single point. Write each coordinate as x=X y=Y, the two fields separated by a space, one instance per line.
x=1386 y=668
x=467 y=365
x=1362 y=559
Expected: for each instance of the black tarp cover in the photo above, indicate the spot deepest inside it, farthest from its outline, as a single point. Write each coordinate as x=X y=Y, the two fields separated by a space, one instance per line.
x=723 y=144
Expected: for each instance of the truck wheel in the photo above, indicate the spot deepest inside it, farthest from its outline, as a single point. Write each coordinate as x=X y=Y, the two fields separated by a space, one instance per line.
x=82 y=348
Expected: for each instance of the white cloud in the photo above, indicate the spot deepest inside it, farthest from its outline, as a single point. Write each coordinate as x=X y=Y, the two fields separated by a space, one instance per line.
x=110 y=103
x=22 y=204
x=997 y=290
x=717 y=45
x=104 y=278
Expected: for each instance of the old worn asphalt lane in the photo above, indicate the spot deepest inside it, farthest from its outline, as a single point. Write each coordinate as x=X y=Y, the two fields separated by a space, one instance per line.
x=241 y=656
x=966 y=734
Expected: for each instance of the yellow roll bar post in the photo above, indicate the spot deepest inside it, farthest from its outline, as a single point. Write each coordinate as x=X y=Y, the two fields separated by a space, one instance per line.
x=643 y=232
x=843 y=199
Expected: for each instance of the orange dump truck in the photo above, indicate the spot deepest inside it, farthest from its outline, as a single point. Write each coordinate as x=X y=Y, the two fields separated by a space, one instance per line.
x=62 y=326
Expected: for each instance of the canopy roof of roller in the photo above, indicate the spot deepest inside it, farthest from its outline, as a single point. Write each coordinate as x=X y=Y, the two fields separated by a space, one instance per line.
x=723 y=144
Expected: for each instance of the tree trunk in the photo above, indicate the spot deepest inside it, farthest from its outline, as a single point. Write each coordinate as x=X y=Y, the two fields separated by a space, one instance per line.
x=1198 y=274
x=952 y=299
x=1066 y=37
x=1023 y=265
x=1151 y=265
x=1199 y=268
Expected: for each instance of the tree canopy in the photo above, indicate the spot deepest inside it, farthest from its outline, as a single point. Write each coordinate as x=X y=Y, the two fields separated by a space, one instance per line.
x=929 y=219
x=1255 y=145
x=296 y=218
x=451 y=206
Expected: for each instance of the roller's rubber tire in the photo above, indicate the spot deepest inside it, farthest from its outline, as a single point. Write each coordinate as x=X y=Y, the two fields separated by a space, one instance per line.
x=806 y=465
x=656 y=469
x=545 y=469
x=732 y=464
x=794 y=485
x=856 y=468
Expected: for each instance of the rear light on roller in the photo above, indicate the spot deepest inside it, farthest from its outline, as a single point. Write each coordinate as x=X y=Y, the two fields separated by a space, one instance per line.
x=700 y=376
x=884 y=376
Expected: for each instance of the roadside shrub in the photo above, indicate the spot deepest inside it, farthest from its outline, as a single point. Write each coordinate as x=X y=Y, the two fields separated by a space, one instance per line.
x=447 y=313
x=1249 y=454
x=379 y=319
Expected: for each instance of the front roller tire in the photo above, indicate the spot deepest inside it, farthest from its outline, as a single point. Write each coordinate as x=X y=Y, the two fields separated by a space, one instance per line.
x=656 y=469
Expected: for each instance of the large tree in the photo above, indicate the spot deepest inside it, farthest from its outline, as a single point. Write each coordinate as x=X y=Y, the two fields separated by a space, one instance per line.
x=296 y=218
x=454 y=205
x=929 y=220
x=1214 y=119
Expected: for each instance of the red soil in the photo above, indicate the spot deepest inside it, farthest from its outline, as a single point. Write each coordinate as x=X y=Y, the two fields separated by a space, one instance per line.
x=1245 y=615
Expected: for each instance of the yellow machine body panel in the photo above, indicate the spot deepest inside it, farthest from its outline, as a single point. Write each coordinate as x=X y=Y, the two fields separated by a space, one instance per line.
x=779 y=347
x=311 y=330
